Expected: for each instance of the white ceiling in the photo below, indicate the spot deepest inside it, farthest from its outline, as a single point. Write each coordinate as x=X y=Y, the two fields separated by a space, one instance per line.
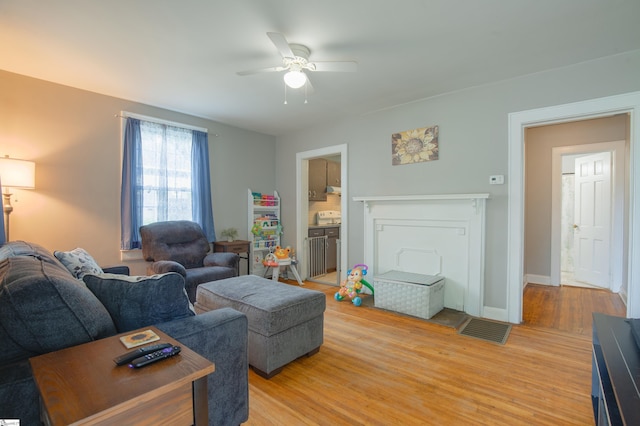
x=184 y=55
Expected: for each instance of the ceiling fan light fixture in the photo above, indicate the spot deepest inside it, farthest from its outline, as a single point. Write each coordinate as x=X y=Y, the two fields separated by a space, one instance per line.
x=295 y=79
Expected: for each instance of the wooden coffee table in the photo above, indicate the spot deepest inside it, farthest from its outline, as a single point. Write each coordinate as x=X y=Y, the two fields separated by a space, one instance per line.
x=82 y=385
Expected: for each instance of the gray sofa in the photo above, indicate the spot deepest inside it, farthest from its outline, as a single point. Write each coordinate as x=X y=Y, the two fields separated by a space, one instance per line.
x=181 y=246
x=44 y=308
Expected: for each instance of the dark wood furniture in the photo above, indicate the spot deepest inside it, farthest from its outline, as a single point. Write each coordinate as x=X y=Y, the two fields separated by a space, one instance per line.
x=615 y=372
x=82 y=385
x=239 y=247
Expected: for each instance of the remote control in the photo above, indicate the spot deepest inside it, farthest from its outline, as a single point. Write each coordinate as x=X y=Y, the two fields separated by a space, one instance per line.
x=155 y=356
x=130 y=356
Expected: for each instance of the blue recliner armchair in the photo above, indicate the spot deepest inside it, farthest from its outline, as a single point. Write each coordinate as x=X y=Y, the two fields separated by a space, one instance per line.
x=181 y=246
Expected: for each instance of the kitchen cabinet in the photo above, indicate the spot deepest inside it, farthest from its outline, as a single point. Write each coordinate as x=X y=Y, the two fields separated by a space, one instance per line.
x=333 y=173
x=332 y=248
x=318 y=180
x=322 y=173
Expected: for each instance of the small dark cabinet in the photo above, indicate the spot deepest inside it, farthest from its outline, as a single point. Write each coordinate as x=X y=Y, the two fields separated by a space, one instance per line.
x=332 y=249
x=615 y=372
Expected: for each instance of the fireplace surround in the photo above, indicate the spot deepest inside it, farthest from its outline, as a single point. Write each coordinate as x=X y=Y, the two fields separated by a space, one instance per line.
x=433 y=235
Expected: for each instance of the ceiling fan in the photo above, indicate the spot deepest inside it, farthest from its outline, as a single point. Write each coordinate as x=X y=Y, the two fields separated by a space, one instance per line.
x=295 y=60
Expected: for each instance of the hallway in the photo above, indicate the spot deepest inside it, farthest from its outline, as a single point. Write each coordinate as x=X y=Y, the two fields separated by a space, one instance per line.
x=568 y=308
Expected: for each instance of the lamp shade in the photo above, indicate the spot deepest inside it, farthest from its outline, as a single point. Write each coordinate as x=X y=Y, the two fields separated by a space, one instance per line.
x=295 y=79
x=17 y=173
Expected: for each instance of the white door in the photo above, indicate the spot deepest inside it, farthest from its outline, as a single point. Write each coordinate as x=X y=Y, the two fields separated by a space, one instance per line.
x=592 y=220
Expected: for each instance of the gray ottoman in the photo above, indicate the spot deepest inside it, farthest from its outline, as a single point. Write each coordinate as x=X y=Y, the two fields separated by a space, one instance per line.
x=285 y=322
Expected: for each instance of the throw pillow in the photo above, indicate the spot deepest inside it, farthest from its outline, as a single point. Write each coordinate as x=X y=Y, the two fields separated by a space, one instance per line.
x=136 y=302
x=78 y=262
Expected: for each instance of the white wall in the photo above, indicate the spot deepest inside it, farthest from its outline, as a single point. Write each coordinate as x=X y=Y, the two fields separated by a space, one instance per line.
x=473 y=146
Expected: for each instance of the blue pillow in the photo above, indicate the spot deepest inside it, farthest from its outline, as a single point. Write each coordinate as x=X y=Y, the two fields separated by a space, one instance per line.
x=135 y=302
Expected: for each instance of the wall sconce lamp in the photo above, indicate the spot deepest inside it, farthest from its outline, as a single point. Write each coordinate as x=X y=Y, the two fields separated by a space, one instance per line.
x=15 y=173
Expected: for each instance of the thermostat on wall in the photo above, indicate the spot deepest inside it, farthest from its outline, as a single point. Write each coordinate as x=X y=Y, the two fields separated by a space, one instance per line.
x=496 y=179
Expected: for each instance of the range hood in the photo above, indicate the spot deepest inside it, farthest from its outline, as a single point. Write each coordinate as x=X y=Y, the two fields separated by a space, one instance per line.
x=334 y=190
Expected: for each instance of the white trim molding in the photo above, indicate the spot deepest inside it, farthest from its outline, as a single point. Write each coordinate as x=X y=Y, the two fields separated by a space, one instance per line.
x=302 y=202
x=537 y=279
x=616 y=260
x=628 y=103
x=433 y=235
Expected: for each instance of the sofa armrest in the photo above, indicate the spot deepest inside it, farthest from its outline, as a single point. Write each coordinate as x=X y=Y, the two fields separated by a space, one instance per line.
x=220 y=336
x=19 y=397
x=164 y=266
x=116 y=269
x=230 y=260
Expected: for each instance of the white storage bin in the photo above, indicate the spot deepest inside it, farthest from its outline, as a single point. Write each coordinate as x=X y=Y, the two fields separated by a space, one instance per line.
x=409 y=293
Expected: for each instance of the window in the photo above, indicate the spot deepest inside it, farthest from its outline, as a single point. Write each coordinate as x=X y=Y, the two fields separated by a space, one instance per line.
x=166 y=173
x=165 y=176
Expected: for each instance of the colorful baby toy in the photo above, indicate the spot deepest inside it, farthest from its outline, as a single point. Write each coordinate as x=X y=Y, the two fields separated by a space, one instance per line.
x=282 y=253
x=352 y=286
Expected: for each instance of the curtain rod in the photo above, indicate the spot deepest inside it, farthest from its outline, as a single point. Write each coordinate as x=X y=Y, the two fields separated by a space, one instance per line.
x=125 y=114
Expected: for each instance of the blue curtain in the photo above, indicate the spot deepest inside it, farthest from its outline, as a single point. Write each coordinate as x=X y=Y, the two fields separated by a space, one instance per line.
x=130 y=195
x=201 y=184
x=3 y=236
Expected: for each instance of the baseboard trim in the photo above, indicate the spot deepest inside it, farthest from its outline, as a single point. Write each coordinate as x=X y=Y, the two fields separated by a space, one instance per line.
x=497 y=314
x=537 y=279
x=623 y=295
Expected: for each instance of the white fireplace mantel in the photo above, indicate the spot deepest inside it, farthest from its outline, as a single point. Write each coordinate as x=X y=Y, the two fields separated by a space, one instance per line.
x=408 y=198
x=440 y=234
x=421 y=197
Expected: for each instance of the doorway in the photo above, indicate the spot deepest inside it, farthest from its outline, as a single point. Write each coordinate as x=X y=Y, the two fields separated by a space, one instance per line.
x=582 y=195
x=619 y=181
x=518 y=122
x=303 y=219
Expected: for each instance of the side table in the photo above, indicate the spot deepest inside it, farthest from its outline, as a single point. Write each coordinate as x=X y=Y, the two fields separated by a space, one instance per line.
x=237 y=246
x=82 y=385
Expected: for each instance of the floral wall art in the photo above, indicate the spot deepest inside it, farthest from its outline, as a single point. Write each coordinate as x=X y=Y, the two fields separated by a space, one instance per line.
x=414 y=146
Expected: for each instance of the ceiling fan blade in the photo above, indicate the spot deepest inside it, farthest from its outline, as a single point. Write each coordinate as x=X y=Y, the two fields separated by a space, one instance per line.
x=261 y=70
x=281 y=44
x=309 y=87
x=334 y=66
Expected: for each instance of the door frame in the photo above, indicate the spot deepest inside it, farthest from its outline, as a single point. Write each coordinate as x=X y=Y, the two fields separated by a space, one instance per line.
x=518 y=121
x=618 y=184
x=302 y=202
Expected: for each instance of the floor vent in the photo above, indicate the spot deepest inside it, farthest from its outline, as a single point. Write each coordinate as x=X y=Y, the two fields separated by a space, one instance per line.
x=491 y=331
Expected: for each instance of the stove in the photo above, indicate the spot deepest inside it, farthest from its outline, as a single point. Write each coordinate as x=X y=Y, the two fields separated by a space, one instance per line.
x=328 y=217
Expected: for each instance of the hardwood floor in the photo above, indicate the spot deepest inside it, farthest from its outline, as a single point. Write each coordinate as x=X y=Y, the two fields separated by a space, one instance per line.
x=568 y=308
x=381 y=368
